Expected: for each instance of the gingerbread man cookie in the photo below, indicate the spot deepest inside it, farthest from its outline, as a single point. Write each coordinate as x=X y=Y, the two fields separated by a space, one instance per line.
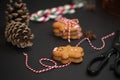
x=67 y=54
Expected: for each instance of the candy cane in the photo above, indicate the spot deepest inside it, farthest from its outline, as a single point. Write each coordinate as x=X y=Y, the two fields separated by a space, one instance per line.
x=45 y=14
x=50 y=16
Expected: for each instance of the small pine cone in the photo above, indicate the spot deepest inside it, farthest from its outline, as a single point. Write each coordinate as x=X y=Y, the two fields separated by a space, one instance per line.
x=19 y=34
x=18 y=12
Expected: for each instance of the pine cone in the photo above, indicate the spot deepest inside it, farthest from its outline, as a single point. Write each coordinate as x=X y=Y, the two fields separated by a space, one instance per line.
x=17 y=11
x=19 y=34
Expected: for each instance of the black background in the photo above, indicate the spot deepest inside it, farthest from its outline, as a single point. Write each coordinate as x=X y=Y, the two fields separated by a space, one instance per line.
x=12 y=61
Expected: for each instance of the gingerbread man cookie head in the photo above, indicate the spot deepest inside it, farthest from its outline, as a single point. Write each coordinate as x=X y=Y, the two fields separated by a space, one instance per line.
x=67 y=54
x=67 y=28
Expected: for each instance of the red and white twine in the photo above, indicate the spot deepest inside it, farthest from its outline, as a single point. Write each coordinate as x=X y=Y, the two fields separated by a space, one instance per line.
x=102 y=39
x=69 y=23
x=47 y=67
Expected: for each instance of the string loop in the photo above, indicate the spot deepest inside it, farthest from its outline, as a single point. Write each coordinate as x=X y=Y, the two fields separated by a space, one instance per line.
x=47 y=67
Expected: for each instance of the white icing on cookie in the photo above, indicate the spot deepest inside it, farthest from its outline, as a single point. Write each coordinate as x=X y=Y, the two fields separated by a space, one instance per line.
x=55 y=48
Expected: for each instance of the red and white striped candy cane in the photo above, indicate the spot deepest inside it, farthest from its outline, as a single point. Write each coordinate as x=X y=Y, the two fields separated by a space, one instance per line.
x=44 y=15
x=47 y=17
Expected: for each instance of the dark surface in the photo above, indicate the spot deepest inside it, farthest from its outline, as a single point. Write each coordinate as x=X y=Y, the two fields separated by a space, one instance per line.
x=12 y=61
